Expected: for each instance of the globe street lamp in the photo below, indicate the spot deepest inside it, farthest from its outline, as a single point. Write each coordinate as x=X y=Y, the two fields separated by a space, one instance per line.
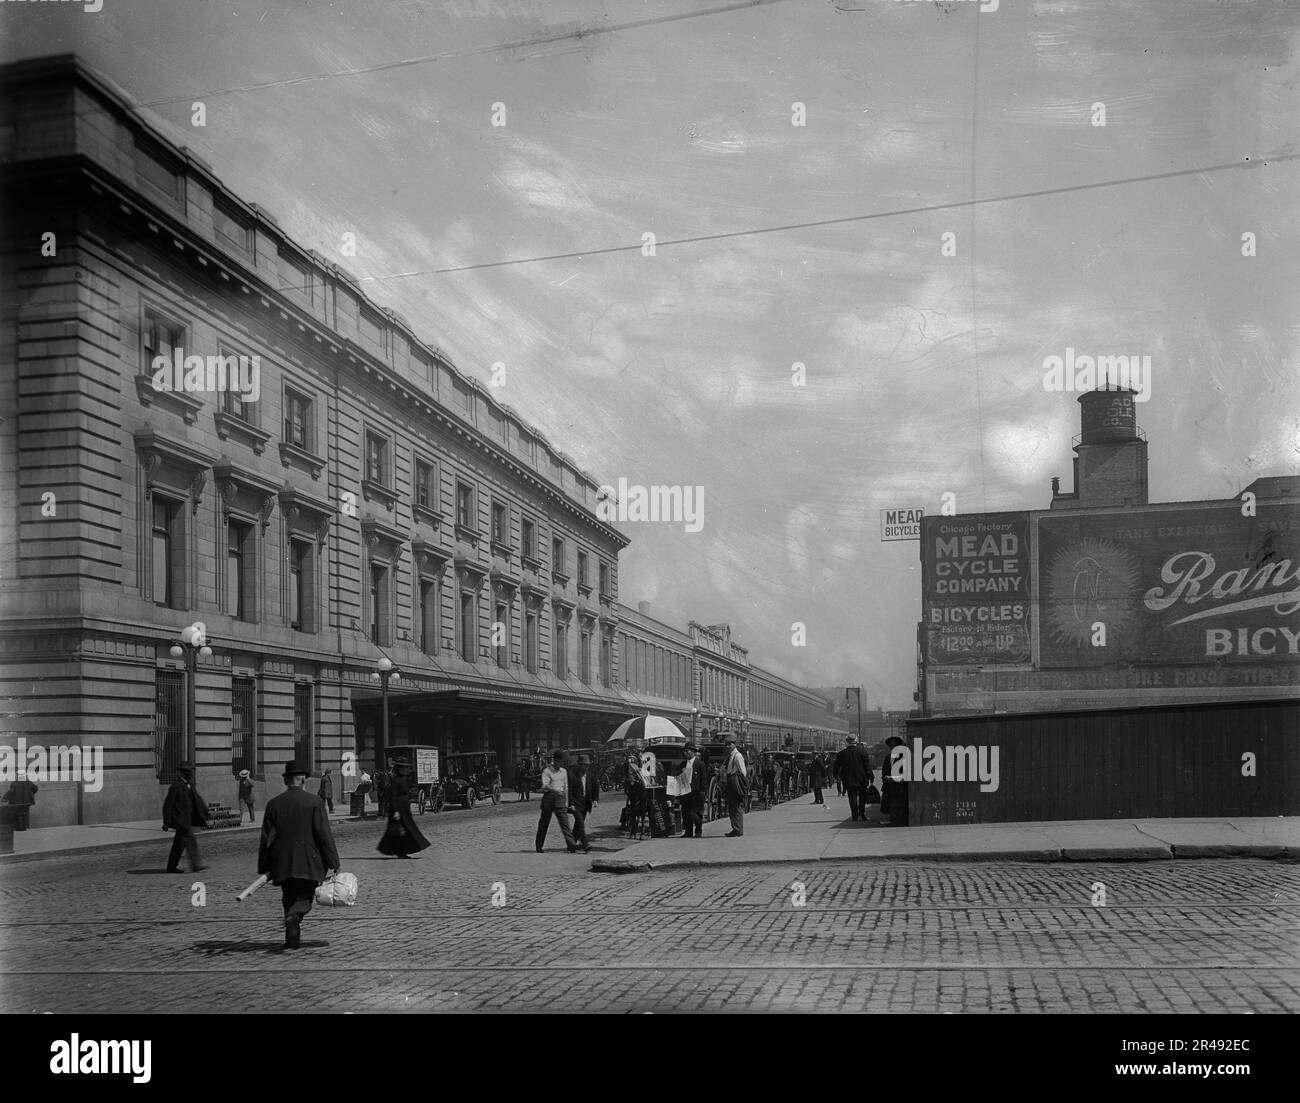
x=384 y=672
x=858 y=691
x=193 y=643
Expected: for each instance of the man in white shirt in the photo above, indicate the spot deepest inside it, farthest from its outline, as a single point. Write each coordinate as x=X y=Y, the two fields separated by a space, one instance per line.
x=735 y=776
x=555 y=802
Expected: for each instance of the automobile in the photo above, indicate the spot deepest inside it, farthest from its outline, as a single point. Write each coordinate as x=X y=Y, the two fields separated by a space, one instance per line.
x=471 y=776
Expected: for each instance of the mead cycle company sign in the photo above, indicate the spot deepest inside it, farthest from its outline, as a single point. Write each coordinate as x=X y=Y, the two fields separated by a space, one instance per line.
x=1172 y=586
x=975 y=580
x=901 y=524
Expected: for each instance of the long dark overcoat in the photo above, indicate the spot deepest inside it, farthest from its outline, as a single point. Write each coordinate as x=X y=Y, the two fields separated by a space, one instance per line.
x=296 y=839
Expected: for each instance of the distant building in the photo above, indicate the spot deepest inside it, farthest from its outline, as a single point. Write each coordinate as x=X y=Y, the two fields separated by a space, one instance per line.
x=707 y=682
x=1105 y=599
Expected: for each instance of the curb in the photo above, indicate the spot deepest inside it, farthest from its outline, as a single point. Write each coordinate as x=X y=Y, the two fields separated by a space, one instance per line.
x=125 y=844
x=1276 y=852
x=1117 y=853
x=1236 y=850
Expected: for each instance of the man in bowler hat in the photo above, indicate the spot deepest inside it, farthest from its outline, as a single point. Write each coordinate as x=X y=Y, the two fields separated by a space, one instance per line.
x=583 y=793
x=183 y=811
x=853 y=767
x=556 y=802
x=297 y=851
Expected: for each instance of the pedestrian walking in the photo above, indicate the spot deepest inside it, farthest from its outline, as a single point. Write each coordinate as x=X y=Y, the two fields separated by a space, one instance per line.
x=297 y=850
x=401 y=838
x=893 y=794
x=555 y=802
x=183 y=811
x=736 y=777
x=22 y=798
x=817 y=777
x=383 y=784
x=326 y=790
x=692 y=782
x=583 y=793
x=853 y=768
x=246 y=796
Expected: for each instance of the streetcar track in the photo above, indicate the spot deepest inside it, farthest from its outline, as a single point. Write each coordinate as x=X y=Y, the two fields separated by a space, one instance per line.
x=644 y=968
x=738 y=910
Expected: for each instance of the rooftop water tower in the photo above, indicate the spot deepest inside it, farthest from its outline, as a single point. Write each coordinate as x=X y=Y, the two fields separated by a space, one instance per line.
x=1110 y=454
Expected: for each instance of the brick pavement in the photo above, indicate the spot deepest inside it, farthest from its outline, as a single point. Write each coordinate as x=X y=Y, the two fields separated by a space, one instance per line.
x=106 y=932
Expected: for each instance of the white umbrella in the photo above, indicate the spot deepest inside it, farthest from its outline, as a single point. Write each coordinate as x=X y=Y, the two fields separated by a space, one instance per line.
x=647 y=727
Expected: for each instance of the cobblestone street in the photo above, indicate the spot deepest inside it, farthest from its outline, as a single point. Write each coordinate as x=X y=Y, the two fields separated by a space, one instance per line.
x=111 y=932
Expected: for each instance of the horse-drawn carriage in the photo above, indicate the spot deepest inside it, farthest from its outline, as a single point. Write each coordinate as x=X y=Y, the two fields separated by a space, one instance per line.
x=422 y=765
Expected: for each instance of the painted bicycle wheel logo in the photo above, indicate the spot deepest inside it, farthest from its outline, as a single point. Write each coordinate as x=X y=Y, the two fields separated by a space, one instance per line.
x=1088 y=581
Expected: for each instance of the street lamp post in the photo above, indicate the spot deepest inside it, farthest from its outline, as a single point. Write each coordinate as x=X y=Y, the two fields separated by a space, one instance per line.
x=858 y=691
x=384 y=672
x=193 y=643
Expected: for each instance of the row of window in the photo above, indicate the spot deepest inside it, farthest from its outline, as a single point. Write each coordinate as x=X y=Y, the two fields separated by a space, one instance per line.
x=720 y=689
x=240 y=598
x=163 y=335
x=650 y=668
x=662 y=672
x=247 y=747
x=767 y=701
x=428 y=633
x=240 y=594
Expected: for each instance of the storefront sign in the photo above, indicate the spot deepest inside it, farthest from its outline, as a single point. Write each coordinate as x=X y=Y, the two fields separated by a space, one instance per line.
x=975 y=579
x=901 y=524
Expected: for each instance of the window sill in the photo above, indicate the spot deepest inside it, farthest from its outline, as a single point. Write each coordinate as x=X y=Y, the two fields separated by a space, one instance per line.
x=374 y=491
x=292 y=455
x=178 y=402
x=230 y=426
x=427 y=514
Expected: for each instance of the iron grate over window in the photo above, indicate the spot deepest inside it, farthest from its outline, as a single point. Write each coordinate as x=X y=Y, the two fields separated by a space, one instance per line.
x=169 y=724
x=302 y=725
x=243 y=713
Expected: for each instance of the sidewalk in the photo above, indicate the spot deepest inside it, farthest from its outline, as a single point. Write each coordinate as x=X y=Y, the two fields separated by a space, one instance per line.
x=49 y=842
x=800 y=831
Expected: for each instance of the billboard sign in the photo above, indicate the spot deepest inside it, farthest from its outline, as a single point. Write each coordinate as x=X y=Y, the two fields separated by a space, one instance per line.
x=1197 y=585
x=901 y=524
x=975 y=580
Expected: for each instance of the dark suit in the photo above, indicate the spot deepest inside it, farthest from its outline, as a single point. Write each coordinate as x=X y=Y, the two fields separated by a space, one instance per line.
x=584 y=791
x=297 y=848
x=21 y=795
x=853 y=768
x=817 y=777
x=183 y=811
x=693 y=802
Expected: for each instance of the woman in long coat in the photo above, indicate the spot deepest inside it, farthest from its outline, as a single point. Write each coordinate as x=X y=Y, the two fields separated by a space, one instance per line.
x=402 y=838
